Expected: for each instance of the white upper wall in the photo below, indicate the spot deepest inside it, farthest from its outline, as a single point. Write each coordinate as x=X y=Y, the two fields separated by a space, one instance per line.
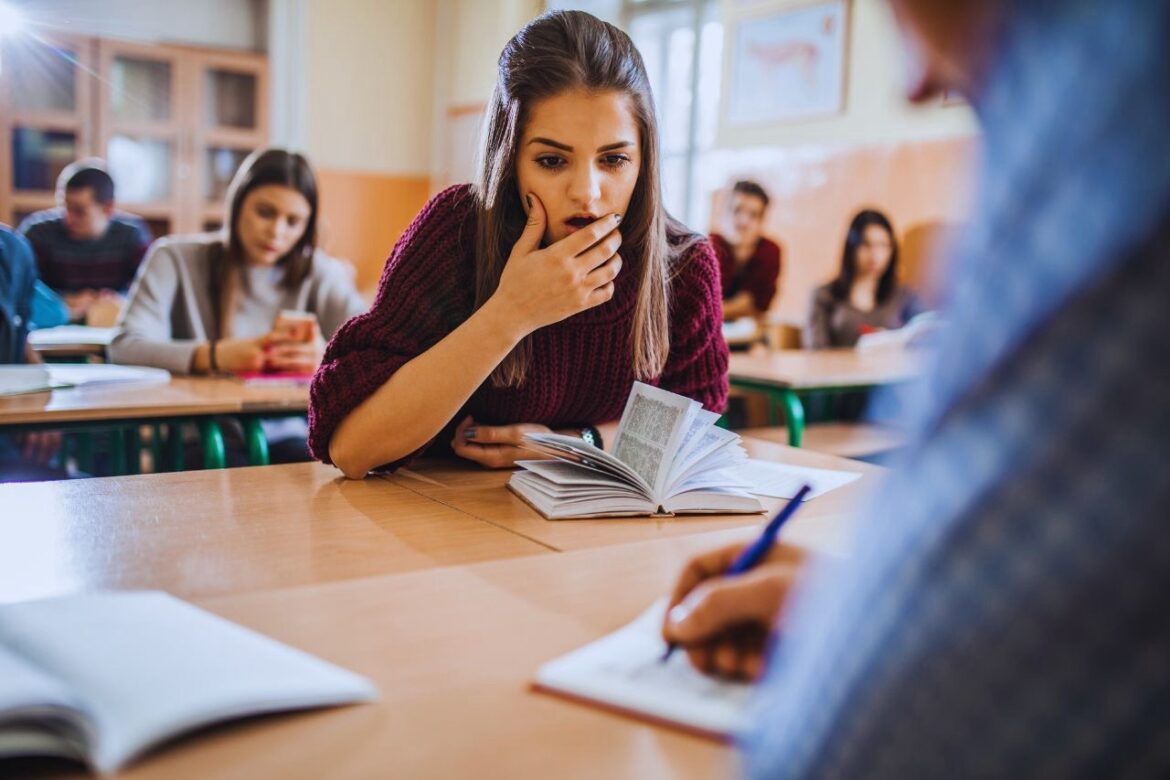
x=368 y=85
x=479 y=31
x=876 y=110
x=233 y=24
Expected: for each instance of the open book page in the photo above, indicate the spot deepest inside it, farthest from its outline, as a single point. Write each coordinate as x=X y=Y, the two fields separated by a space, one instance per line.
x=572 y=450
x=651 y=430
x=560 y=502
x=17 y=380
x=149 y=666
x=106 y=374
x=38 y=715
x=781 y=480
x=71 y=334
x=624 y=670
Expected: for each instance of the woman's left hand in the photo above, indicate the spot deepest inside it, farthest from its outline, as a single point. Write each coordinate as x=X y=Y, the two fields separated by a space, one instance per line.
x=495 y=446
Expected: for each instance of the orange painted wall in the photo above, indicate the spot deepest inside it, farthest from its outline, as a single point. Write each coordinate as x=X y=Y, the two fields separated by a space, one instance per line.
x=923 y=186
x=363 y=214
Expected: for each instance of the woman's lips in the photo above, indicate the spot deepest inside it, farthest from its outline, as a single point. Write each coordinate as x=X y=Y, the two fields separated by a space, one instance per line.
x=576 y=223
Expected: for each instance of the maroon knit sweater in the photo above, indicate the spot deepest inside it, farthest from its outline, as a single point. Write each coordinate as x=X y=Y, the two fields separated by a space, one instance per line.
x=580 y=372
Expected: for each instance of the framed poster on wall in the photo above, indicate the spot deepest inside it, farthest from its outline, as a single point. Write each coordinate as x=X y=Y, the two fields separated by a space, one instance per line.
x=787 y=63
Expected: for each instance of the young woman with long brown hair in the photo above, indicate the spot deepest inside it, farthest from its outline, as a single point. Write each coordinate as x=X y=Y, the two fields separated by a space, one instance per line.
x=208 y=303
x=532 y=299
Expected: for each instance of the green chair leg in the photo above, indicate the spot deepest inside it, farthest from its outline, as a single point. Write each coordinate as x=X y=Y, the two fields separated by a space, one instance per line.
x=214 y=451
x=794 y=414
x=257 y=442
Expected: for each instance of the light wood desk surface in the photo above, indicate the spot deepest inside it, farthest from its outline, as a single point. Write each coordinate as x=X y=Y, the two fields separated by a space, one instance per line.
x=227 y=531
x=181 y=397
x=453 y=652
x=801 y=369
x=482 y=493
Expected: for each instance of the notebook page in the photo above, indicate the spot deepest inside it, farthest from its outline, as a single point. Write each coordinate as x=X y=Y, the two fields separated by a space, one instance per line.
x=29 y=696
x=150 y=666
x=624 y=670
x=781 y=480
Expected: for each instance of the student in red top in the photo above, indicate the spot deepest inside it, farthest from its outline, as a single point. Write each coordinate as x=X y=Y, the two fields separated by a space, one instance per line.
x=749 y=263
x=531 y=300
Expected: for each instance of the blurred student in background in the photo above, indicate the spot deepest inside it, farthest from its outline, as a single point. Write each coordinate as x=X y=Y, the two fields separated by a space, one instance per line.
x=209 y=303
x=26 y=456
x=866 y=296
x=86 y=251
x=749 y=263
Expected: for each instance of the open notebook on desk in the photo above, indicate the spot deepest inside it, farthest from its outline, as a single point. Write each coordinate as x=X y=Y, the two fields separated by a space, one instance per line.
x=101 y=678
x=624 y=671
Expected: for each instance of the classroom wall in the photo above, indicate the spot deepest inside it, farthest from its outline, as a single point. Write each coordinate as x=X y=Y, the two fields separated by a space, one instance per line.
x=234 y=24
x=875 y=109
x=465 y=75
x=816 y=191
x=368 y=113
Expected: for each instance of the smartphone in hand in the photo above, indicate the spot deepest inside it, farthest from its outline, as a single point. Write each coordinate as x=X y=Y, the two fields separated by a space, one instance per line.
x=294 y=326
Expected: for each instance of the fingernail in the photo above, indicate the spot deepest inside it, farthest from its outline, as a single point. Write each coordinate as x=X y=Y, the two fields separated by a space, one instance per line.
x=469 y=433
x=528 y=198
x=679 y=613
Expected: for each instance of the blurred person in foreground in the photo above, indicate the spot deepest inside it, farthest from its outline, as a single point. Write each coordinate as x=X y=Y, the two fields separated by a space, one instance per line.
x=1004 y=611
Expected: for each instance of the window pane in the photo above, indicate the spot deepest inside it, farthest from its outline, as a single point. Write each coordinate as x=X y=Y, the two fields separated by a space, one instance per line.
x=221 y=167
x=666 y=41
x=140 y=90
x=230 y=99
x=141 y=168
x=40 y=76
x=674 y=185
x=38 y=157
x=710 y=76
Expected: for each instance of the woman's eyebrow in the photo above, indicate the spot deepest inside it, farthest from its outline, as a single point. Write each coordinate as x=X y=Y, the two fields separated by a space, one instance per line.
x=567 y=148
x=552 y=143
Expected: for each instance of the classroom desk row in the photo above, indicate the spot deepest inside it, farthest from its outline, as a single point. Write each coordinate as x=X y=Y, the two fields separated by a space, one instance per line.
x=782 y=375
x=439 y=584
x=785 y=375
x=123 y=408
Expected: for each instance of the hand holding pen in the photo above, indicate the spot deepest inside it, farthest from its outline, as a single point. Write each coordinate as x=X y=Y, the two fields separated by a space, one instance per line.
x=726 y=603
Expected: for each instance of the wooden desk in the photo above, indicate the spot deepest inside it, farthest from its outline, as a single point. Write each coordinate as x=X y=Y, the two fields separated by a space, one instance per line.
x=183 y=399
x=453 y=652
x=481 y=493
x=784 y=374
x=212 y=532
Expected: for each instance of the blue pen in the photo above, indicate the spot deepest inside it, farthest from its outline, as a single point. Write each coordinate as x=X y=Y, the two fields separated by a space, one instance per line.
x=755 y=552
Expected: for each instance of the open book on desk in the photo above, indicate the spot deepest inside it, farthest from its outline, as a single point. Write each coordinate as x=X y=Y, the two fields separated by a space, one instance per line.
x=624 y=671
x=101 y=678
x=668 y=458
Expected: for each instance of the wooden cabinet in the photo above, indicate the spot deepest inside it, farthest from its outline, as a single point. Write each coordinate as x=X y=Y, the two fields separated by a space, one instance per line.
x=172 y=122
x=46 y=117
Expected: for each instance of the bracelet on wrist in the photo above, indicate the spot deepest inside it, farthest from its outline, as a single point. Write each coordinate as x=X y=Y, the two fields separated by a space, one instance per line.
x=592 y=436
